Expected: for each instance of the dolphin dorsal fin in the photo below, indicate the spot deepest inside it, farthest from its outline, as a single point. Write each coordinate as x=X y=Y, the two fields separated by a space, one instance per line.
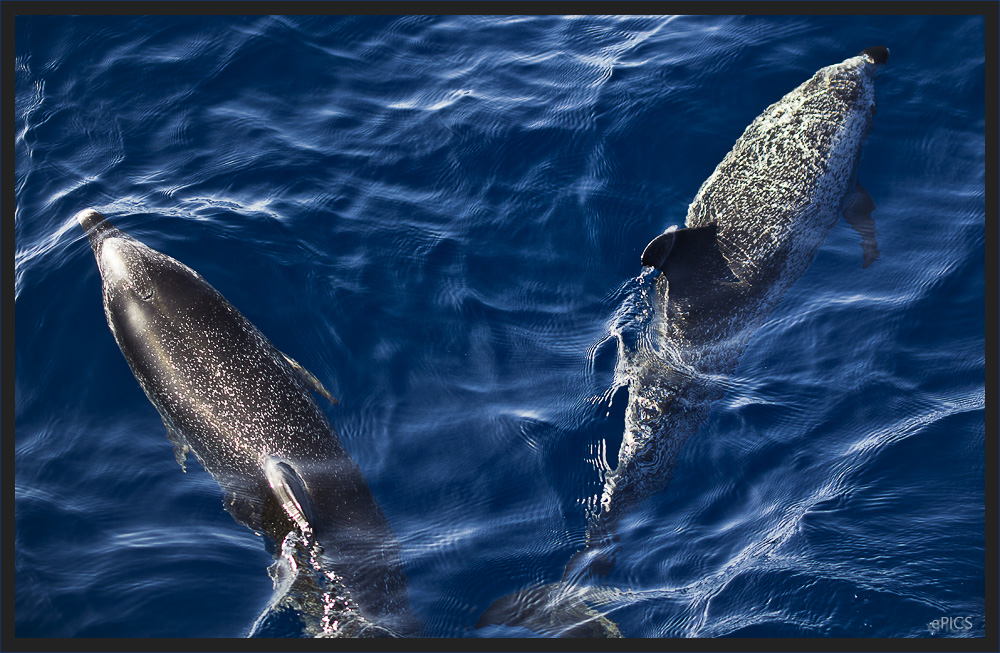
x=310 y=379
x=688 y=255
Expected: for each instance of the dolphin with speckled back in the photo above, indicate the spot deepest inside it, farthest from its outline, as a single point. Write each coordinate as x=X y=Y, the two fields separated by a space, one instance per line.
x=752 y=230
x=247 y=413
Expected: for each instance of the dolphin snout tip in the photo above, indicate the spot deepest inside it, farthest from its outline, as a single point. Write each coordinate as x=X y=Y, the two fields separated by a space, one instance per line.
x=878 y=54
x=89 y=218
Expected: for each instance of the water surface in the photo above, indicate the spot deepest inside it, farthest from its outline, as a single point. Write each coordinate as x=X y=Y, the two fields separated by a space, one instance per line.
x=441 y=218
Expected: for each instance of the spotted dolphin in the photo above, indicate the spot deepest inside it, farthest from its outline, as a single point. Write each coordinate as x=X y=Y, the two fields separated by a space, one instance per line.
x=247 y=413
x=751 y=231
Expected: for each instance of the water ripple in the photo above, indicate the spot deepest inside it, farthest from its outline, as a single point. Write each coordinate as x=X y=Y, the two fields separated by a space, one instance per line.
x=442 y=217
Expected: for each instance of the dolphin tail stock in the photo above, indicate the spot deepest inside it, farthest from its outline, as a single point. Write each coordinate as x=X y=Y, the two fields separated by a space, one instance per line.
x=292 y=610
x=569 y=607
x=310 y=598
x=559 y=609
x=307 y=604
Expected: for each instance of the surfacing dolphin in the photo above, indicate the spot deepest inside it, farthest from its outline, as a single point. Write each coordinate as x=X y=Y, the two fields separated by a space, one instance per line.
x=752 y=230
x=247 y=413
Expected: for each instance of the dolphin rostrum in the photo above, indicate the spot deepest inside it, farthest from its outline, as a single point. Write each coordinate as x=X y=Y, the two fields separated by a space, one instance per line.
x=751 y=231
x=247 y=413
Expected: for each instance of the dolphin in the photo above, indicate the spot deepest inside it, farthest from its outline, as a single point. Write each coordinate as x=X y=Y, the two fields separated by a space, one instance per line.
x=751 y=231
x=247 y=413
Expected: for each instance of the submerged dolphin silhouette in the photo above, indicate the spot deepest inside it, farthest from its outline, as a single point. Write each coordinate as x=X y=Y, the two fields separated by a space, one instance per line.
x=245 y=410
x=752 y=230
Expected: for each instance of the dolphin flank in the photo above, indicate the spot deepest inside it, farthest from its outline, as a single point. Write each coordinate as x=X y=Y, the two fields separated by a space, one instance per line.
x=247 y=413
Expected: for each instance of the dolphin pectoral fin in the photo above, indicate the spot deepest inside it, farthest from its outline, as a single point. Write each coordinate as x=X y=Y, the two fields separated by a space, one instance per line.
x=688 y=255
x=291 y=493
x=180 y=445
x=858 y=213
x=555 y=610
x=310 y=380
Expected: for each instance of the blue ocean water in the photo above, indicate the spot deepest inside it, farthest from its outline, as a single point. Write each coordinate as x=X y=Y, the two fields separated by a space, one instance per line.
x=440 y=217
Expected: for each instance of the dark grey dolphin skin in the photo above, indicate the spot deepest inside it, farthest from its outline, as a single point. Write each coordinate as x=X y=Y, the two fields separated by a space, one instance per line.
x=752 y=230
x=248 y=414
